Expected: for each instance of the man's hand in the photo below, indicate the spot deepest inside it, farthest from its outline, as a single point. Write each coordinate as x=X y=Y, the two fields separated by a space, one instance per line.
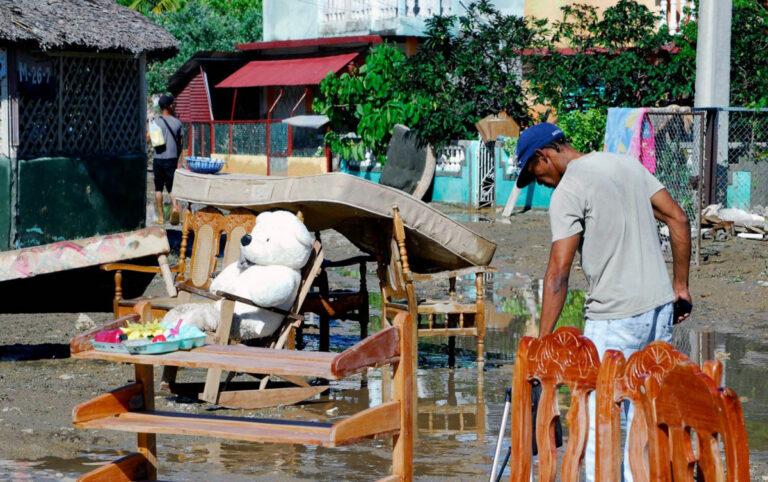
x=666 y=210
x=556 y=281
x=683 y=304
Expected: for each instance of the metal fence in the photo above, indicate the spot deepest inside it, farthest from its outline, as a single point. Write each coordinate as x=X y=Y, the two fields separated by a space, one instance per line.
x=679 y=142
x=737 y=141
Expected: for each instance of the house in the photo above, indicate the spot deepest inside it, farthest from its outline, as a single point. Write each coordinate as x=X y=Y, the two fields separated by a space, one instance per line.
x=234 y=103
x=73 y=118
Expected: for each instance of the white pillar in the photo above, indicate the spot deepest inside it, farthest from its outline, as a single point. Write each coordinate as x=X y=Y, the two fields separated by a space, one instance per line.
x=713 y=67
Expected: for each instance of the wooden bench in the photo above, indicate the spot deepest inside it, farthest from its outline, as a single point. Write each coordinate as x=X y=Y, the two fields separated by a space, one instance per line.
x=131 y=408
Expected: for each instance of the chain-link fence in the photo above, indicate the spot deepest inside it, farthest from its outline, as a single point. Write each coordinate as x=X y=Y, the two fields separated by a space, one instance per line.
x=678 y=160
x=738 y=140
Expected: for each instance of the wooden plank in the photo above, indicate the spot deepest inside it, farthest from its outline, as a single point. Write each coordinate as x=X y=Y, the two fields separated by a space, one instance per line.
x=444 y=275
x=231 y=428
x=147 y=440
x=377 y=349
x=437 y=331
x=446 y=307
x=272 y=397
x=238 y=362
x=223 y=333
x=121 y=400
x=379 y=420
x=131 y=467
x=405 y=394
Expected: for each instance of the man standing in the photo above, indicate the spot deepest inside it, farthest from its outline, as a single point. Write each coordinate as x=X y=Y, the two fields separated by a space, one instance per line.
x=604 y=206
x=167 y=156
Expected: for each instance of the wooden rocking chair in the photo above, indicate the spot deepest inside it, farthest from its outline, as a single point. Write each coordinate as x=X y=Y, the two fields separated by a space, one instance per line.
x=208 y=225
x=451 y=317
x=243 y=394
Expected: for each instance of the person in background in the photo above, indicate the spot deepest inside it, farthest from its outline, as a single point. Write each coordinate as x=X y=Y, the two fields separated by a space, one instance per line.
x=167 y=157
x=605 y=206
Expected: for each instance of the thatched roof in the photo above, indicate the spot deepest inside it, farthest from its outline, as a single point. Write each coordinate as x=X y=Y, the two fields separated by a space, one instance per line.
x=100 y=25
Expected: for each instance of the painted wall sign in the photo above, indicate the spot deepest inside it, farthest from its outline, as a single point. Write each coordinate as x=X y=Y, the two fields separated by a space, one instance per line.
x=36 y=76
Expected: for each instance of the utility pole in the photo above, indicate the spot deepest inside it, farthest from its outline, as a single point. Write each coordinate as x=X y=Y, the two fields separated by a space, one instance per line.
x=713 y=85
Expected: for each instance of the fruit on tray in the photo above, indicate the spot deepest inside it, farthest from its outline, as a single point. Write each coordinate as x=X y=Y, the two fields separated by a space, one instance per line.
x=108 y=336
x=138 y=331
x=158 y=338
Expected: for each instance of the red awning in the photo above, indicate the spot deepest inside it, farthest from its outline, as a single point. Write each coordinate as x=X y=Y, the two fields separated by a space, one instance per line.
x=304 y=71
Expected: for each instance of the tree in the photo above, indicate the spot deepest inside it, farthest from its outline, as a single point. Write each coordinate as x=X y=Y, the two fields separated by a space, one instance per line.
x=469 y=67
x=619 y=59
x=749 y=64
x=198 y=25
x=369 y=102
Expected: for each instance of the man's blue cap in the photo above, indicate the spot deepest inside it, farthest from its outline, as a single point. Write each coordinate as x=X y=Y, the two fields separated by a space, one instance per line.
x=532 y=139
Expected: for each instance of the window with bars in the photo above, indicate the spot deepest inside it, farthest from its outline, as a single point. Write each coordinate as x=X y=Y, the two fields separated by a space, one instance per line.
x=93 y=106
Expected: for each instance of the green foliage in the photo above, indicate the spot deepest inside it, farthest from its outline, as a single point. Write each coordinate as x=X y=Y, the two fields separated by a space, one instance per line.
x=584 y=130
x=469 y=68
x=623 y=59
x=368 y=102
x=749 y=64
x=198 y=25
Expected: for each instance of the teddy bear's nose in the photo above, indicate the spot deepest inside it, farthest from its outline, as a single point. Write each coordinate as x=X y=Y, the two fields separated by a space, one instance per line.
x=246 y=240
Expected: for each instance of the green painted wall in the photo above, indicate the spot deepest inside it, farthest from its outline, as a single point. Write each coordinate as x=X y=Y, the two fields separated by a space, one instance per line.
x=5 y=203
x=61 y=198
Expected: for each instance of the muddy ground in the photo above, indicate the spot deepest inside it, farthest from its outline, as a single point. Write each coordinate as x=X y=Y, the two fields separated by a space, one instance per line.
x=40 y=384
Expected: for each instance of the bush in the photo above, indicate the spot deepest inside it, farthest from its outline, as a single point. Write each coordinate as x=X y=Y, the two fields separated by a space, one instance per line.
x=584 y=130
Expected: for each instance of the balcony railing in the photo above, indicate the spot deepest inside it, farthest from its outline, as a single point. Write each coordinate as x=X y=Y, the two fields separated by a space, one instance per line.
x=370 y=16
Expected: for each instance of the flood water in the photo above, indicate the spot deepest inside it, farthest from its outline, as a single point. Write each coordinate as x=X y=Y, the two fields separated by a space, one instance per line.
x=459 y=409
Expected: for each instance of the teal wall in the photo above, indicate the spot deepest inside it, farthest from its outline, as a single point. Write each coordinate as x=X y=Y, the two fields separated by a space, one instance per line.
x=5 y=203
x=533 y=196
x=61 y=198
x=463 y=189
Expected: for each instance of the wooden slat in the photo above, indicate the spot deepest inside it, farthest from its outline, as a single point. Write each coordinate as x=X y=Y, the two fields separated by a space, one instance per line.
x=275 y=362
x=381 y=348
x=231 y=428
x=438 y=331
x=272 y=397
x=383 y=419
x=131 y=467
x=443 y=275
x=121 y=400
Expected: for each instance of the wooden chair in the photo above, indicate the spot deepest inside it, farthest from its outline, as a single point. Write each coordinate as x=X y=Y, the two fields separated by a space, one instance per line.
x=208 y=225
x=446 y=416
x=237 y=395
x=638 y=380
x=450 y=317
x=340 y=303
x=131 y=408
x=564 y=357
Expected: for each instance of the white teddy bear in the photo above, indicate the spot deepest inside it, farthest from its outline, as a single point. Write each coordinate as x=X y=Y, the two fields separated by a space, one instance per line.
x=268 y=273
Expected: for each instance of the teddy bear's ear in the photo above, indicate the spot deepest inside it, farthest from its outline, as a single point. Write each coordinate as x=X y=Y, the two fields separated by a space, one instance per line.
x=303 y=235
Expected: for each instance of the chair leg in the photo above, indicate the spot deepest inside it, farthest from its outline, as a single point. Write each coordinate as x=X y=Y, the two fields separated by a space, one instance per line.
x=325 y=334
x=451 y=351
x=168 y=379
x=481 y=350
x=365 y=318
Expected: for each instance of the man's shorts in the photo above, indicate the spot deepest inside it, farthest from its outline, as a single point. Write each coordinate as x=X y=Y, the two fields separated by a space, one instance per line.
x=163 y=170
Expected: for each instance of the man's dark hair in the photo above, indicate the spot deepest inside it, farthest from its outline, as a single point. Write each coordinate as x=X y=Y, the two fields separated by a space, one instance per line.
x=563 y=141
x=165 y=101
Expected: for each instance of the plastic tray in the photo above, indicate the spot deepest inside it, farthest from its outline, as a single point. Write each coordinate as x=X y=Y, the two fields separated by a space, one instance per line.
x=189 y=343
x=139 y=347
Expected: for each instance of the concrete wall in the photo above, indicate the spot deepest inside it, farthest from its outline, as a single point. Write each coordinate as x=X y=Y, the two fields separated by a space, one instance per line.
x=462 y=188
x=291 y=19
x=299 y=19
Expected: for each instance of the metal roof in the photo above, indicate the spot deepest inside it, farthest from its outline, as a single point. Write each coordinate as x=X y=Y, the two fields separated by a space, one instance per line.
x=298 y=71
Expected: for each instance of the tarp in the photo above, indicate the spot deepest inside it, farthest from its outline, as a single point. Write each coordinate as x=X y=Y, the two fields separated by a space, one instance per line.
x=309 y=121
x=301 y=71
x=358 y=209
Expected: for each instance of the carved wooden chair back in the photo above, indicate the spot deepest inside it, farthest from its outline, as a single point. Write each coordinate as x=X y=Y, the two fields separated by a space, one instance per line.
x=208 y=224
x=620 y=380
x=686 y=401
x=564 y=357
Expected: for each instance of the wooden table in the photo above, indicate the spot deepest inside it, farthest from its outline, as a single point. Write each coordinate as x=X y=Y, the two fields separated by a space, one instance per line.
x=131 y=408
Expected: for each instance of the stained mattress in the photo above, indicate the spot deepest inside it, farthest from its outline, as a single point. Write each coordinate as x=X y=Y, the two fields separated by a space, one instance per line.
x=358 y=209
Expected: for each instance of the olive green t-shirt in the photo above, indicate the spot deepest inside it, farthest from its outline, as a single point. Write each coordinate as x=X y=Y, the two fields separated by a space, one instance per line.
x=606 y=197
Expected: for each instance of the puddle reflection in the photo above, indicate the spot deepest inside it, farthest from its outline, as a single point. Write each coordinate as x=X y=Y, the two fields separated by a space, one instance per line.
x=459 y=410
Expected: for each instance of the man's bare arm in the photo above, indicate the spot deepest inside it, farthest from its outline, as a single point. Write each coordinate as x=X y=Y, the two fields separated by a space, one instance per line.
x=666 y=210
x=561 y=256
